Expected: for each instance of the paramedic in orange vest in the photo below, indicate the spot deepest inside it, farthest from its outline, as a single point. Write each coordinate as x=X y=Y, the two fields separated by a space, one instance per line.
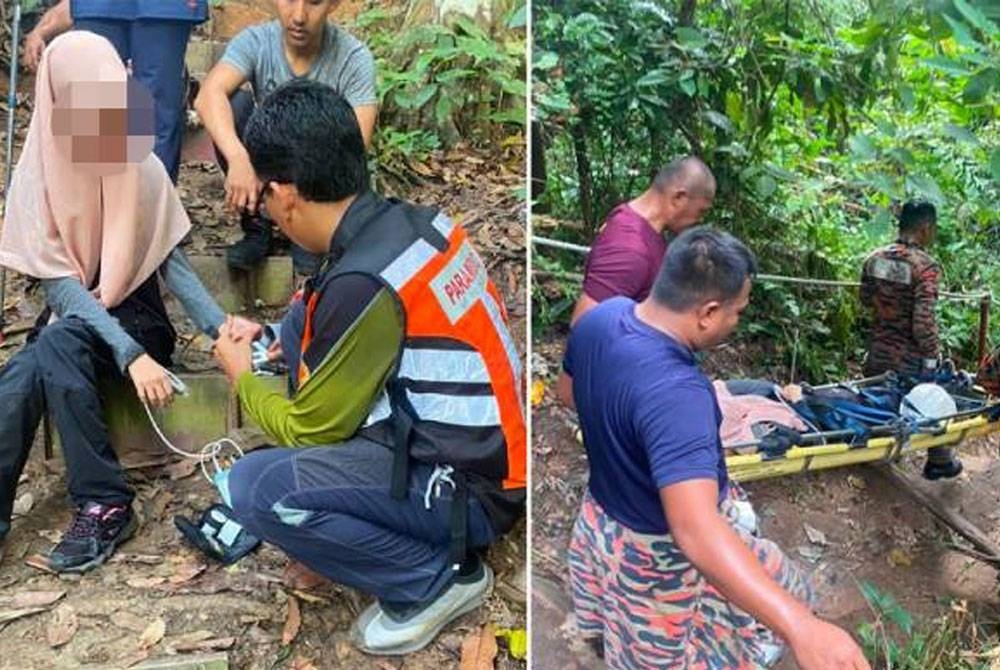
x=403 y=442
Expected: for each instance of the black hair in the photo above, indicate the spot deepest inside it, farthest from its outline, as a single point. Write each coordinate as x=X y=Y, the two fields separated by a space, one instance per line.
x=305 y=133
x=702 y=264
x=915 y=214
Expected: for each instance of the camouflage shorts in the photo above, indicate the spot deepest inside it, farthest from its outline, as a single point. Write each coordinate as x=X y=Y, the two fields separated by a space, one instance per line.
x=652 y=609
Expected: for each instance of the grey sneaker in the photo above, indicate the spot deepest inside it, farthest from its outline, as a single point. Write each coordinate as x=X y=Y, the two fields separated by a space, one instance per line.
x=380 y=630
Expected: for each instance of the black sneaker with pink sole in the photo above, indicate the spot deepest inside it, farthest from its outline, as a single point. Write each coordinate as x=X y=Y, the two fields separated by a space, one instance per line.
x=94 y=534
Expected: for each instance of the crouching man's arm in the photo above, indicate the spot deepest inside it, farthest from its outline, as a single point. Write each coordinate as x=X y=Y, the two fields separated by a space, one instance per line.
x=356 y=332
x=713 y=547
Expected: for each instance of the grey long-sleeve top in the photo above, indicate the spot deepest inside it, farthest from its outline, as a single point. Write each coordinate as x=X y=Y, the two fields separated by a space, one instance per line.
x=68 y=297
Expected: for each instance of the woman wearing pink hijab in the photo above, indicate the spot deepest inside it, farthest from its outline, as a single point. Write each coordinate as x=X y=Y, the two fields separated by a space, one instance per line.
x=93 y=215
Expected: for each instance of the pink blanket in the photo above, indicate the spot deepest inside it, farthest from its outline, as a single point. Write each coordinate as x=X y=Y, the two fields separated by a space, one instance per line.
x=741 y=412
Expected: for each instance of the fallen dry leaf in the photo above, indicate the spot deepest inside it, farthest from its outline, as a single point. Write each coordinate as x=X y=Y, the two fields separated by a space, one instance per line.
x=537 y=392
x=11 y=615
x=128 y=621
x=292 y=623
x=23 y=504
x=201 y=640
x=153 y=634
x=302 y=663
x=145 y=582
x=134 y=658
x=898 y=558
x=311 y=598
x=62 y=627
x=159 y=504
x=144 y=559
x=36 y=598
x=39 y=562
x=186 y=572
x=479 y=649
x=181 y=469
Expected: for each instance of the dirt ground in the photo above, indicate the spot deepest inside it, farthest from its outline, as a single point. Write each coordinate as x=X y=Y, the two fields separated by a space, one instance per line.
x=157 y=598
x=873 y=531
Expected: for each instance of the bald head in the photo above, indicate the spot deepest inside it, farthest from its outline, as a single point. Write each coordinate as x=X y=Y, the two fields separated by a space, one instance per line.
x=685 y=189
x=689 y=174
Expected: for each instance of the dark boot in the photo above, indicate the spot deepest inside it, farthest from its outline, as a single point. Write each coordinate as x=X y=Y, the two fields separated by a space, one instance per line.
x=942 y=470
x=253 y=248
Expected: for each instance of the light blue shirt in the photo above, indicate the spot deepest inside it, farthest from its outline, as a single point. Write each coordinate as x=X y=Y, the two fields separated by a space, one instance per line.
x=130 y=10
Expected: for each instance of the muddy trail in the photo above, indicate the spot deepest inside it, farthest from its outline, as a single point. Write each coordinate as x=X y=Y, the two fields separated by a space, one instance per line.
x=157 y=599
x=847 y=526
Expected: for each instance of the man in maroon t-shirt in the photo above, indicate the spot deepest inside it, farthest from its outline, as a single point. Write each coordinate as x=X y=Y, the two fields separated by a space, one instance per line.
x=626 y=255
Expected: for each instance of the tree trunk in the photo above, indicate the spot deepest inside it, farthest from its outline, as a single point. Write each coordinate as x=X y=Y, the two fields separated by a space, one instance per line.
x=584 y=175
x=685 y=17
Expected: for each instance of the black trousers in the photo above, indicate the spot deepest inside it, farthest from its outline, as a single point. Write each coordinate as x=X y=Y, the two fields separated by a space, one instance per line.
x=59 y=371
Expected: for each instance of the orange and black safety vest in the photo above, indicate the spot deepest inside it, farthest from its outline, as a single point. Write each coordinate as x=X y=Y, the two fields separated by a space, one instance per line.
x=456 y=396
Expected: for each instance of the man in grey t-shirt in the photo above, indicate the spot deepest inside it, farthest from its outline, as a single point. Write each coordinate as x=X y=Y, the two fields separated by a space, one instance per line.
x=300 y=44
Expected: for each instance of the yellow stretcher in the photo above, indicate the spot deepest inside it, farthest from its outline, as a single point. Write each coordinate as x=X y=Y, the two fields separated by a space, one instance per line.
x=749 y=467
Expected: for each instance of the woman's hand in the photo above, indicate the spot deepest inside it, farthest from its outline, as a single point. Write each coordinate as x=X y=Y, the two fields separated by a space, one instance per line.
x=151 y=381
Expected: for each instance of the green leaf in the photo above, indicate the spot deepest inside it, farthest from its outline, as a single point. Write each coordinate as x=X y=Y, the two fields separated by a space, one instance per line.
x=545 y=60
x=518 y=18
x=947 y=65
x=907 y=98
x=653 y=78
x=690 y=38
x=903 y=156
x=863 y=148
x=960 y=134
x=719 y=120
x=995 y=165
x=925 y=186
x=416 y=100
x=975 y=17
x=978 y=87
x=961 y=33
x=765 y=185
x=688 y=84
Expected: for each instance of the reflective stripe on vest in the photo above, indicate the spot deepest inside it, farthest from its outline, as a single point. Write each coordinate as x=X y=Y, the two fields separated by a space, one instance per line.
x=448 y=296
x=443 y=366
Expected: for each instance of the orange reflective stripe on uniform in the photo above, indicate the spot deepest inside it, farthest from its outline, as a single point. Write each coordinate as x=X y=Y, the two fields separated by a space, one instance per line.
x=307 y=333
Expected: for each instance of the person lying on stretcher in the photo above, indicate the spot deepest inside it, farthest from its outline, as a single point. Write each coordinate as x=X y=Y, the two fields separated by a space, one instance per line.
x=758 y=414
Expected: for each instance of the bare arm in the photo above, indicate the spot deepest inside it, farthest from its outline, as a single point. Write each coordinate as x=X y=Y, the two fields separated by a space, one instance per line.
x=564 y=390
x=53 y=23
x=212 y=104
x=366 y=121
x=583 y=305
x=713 y=547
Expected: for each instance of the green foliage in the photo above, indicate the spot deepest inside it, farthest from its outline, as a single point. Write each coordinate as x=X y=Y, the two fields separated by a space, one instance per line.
x=817 y=119
x=893 y=640
x=445 y=83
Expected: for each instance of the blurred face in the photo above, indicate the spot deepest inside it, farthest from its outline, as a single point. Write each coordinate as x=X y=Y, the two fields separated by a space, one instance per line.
x=717 y=320
x=302 y=20
x=101 y=126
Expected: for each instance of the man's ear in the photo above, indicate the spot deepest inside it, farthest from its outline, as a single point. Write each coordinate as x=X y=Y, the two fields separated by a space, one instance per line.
x=679 y=198
x=284 y=196
x=707 y=310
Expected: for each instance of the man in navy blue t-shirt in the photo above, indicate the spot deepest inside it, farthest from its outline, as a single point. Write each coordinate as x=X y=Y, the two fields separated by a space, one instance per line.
x=659 y=501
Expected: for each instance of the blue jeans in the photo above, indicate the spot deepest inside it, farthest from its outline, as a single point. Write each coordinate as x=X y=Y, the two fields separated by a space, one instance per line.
x=156 y=48
x=331 y=509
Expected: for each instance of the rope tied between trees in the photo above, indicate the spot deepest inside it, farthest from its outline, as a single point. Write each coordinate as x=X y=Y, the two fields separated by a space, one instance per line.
x=953 y=296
